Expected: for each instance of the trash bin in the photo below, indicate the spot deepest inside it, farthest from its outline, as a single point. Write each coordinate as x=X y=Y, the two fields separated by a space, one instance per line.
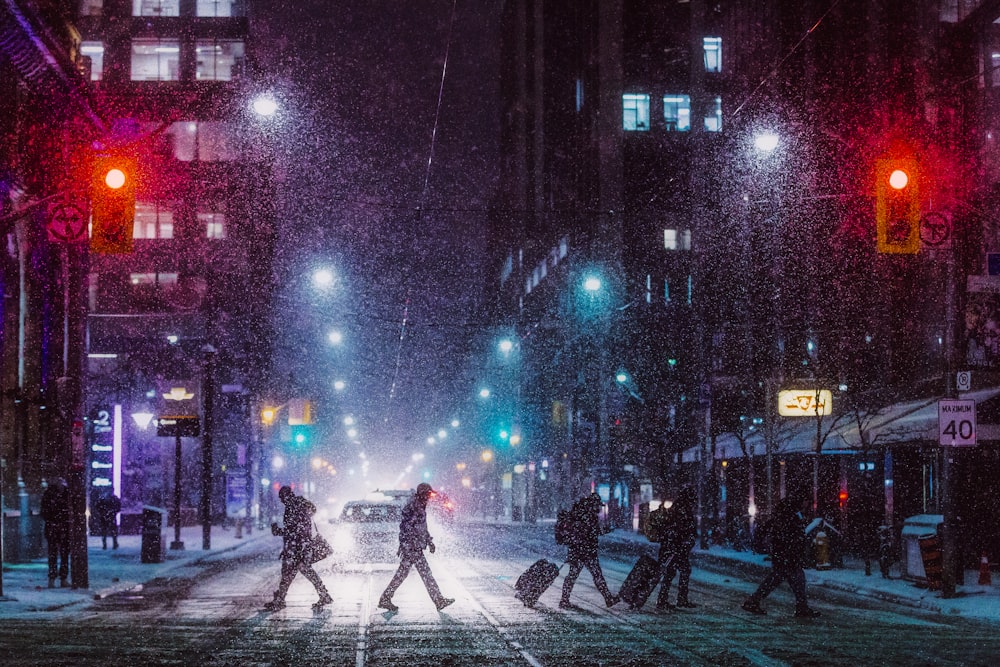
x=915 y=528
x=930 y=554
x=152 y=550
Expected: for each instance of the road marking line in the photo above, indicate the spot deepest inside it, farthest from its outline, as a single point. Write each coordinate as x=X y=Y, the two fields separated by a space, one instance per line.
x=364 y=618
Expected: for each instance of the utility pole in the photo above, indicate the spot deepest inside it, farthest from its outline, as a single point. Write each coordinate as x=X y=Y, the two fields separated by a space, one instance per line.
x=208 y=395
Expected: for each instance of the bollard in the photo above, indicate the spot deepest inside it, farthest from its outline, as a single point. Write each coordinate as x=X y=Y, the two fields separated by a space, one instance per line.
x=822 y=544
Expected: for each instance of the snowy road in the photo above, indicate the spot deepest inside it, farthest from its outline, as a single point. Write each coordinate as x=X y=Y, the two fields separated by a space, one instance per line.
x=215 y=618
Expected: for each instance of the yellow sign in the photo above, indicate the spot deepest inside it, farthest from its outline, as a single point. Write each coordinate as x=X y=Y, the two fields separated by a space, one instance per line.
x=804 y=402
x=178 y=394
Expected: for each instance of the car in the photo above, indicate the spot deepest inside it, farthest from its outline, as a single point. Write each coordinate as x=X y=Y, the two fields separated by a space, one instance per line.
x=367 y=530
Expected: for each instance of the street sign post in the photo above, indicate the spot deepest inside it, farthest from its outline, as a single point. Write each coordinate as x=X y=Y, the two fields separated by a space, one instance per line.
x=957 y=423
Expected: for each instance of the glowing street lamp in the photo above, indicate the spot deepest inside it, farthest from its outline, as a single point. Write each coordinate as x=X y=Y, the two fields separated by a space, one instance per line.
x=264 y=105
x=323 y=278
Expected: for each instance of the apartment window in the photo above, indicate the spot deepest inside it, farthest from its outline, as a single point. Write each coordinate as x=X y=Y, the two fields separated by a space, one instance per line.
x=218 y=58
x=152 y=221
x=213 y=223
x=677 y=113
x=713 y=54
x=91 y=7
x=94 y=51
x=713 y=121
x=677 y=239
x=579 y=95
x=220 y=8
x=635 y=112
x=156 y=8
x=155 y=59
x=208 y=141
x=563 y=247
x=649 y=288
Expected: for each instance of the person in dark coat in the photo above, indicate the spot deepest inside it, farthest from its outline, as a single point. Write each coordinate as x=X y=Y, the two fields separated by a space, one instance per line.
x=297 y=532
x=788 y=546
x=582 y=550
x=55 y=512
x=106 y=509
x=675 y=550
x=413 y=539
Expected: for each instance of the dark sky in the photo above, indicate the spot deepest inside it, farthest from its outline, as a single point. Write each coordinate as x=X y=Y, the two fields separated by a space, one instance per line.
x=361 y=81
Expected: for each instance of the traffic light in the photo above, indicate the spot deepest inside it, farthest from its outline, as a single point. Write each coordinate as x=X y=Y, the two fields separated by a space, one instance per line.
x=897 y=205
x=301 y=436
x=112 y=196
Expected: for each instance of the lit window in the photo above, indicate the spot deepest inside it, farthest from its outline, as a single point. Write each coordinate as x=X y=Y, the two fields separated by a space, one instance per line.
x=219 y=8
x=156 y=7
x=208 y=141
x=94 y=51
x=148 y=279
x=677 y=239
x=713 y=54
x=677 y=113
x=152 y=221
x=218 y=59
x=214 y=225
x=142 y=279
x=155 y=59
x=91 y=7
x=713 y=121
x=635 y=112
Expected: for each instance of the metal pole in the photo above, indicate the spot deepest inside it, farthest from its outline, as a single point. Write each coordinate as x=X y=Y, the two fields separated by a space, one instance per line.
x=177 y=544
x=949 y=557
x=208 y=384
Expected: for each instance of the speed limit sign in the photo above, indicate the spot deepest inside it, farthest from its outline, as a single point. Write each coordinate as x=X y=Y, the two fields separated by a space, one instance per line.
x=957 y=423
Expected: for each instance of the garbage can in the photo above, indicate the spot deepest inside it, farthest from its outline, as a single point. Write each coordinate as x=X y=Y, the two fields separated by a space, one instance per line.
x=930 y=554
x=152 y=550
x=915 y=528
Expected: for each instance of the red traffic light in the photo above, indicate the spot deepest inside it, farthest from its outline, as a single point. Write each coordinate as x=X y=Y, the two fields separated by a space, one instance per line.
x=112 y=192
x=898 y=179
x=897 y=205
x=115 y=178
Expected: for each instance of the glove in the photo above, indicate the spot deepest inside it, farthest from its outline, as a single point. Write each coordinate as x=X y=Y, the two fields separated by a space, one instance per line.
x=275 y=530
x=431 y=547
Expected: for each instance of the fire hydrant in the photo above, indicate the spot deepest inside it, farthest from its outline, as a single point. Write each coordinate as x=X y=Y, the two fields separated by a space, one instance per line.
x=822 y=544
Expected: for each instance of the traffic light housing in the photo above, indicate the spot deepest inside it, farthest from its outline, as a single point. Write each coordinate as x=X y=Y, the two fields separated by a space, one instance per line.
x=112 y=196
x=897 y=205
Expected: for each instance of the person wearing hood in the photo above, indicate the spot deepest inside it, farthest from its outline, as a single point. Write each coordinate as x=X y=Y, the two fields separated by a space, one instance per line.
x=413 y=539
x=582 y=550
x=55 y=512
x=297 y=533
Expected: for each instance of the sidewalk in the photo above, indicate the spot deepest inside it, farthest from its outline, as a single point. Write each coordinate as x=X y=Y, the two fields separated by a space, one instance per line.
x=981 y=602
x=25 y=585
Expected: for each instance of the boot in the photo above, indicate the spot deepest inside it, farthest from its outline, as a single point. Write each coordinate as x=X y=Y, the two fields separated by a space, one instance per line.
x=324 y=599
x=386 y=603
x=684 y=603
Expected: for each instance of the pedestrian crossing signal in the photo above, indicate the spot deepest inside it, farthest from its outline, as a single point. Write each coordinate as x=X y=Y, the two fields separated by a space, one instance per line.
x=112 y=194
x=897 y=206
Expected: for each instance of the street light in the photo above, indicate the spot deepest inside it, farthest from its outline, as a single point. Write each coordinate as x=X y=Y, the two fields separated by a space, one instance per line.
x=264 y=105
x=323 y=278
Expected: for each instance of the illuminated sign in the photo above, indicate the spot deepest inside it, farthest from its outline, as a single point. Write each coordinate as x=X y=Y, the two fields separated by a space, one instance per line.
x=804 y=402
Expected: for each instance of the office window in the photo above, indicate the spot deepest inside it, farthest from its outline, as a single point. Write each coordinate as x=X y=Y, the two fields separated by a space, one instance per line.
x=220 y=8
x=677 y=113
x=713 y=54
x=713 y=121
x=155 y=59
x=156 y=8
x=147 y=279
x=635 y=112
x=208 y=141
x=218 y=59
x=152 y=221
x=213 y=223
x=94 y=51
x=677 y=239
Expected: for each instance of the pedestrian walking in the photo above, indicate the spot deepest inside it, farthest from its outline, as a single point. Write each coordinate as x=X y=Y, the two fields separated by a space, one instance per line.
x=106 y=509
x=582 y=549
x=297 y=533
x=413 y=539
x=788 y=546
x=55 y=512
x=681 y=531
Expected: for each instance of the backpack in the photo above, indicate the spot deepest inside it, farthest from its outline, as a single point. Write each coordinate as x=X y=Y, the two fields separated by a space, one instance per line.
x=565 y=525
x=657 y=527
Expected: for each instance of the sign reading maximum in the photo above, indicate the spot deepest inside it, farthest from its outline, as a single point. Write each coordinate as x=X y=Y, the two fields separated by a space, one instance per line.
x=957 y=423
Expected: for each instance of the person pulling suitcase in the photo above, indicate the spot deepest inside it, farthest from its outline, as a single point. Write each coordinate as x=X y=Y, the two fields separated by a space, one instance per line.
x=582 y=550
x=681 y=531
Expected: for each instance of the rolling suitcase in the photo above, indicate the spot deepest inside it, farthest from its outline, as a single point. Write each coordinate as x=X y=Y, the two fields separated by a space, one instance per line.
x=640 y=582
x=535 y=580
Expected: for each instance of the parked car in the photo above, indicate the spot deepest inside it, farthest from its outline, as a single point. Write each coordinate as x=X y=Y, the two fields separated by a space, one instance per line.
x=367 y=530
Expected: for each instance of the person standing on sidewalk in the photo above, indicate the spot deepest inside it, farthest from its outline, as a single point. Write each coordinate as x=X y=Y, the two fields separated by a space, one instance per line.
x=413 y=539
x=107 y=508
x=582 y=545
x=55 y=512
x=675 y=550
x=295 y=555
x=788 y=546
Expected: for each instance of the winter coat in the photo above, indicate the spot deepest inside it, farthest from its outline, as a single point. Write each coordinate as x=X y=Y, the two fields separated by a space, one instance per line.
x=55 y=505
x=107 y=507
x=413 y=534
x=788 y=534
x=298 y=526
x=682 y=529
x=586 y=529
